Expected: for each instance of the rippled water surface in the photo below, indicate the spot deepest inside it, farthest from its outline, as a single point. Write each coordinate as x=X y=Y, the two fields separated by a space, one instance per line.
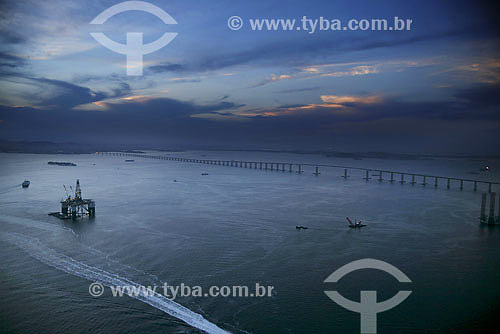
x=163 y=221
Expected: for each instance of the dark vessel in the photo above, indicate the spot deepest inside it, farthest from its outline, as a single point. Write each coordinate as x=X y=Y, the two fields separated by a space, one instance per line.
x=25 y=184
x=356 y=224
x=61 y=163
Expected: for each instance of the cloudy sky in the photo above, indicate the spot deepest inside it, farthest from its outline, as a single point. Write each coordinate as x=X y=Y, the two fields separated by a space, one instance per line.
x=434 y=88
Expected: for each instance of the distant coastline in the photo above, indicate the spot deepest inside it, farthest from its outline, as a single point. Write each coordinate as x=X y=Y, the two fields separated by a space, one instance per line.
x=45 y=147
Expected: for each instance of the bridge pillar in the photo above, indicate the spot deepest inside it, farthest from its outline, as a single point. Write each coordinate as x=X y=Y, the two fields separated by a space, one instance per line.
x=483 y=207
x=498 y=217
x=491 y=218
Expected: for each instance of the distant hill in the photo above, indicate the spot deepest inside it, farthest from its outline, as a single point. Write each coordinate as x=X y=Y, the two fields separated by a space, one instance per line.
x=45 y=147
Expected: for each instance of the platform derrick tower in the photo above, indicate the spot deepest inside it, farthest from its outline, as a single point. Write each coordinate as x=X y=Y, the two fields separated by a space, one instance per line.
x=76 y=207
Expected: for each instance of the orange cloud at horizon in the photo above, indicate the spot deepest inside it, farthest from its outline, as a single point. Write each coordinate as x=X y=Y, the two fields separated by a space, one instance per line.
x=280 y=77
x=138 y=98
x=331 y=103
x=350 y=99
x=100 y=104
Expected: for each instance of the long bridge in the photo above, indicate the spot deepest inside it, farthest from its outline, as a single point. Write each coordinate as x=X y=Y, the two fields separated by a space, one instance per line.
x=289 y=167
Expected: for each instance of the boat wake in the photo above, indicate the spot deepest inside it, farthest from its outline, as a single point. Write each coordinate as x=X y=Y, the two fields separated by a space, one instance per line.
x=36 y=224
x=74 y=267
x=5 y=190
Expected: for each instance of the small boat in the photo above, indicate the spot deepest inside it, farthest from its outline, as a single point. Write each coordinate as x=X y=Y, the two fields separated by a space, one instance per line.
x=129 y=160
x=204 y=174
x=25 y=184
x=356 y=224
x=300 y=227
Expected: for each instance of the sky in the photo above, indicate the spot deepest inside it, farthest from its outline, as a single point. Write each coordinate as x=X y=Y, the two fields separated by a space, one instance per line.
x=431 y=89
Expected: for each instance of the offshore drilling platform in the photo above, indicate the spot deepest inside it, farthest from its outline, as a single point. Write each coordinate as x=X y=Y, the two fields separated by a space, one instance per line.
x=75 y=207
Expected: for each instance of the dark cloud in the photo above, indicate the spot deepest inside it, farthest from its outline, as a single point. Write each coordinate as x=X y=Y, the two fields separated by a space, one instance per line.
x=300 y=51
x=12 y=61
x=479 y=102
x=8 y=36
x=113 y=77
x=289 y=52
x=296 y=90
x=464 y=32
x=59 y=94
x=167 y=67
x=165 y=108
x=169 y=121
x=67 y=95
x=481 y=98
x=122 y=90
x=63 y=94
x=153 y=120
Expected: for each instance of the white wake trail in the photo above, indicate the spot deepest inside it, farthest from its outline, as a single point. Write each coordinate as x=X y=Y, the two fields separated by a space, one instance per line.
x=35 y=224
x=74 y=267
